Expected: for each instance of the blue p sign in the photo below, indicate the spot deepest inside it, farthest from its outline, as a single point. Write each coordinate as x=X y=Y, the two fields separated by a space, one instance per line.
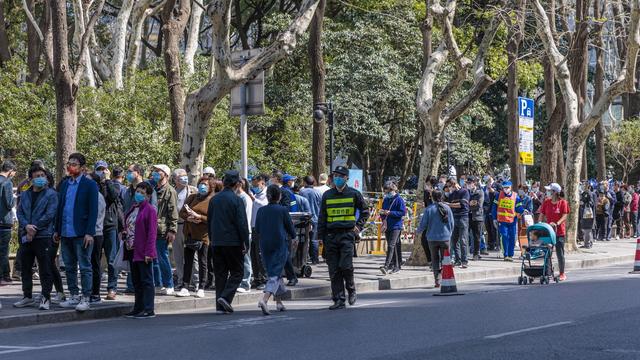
x=525 y=107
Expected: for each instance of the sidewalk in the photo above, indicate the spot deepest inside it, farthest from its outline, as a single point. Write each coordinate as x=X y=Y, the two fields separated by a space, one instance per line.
x=368 y=279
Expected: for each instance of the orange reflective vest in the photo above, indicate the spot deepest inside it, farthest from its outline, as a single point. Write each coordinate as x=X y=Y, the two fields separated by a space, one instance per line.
x=507 y=207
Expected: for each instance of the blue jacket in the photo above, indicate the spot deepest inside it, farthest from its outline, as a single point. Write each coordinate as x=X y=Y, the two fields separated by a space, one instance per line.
x=397 y=209
x=315 y=198
x=303 y=203
x=293 y=205
x=85 y=211
x=431 y=221
x=274 y=228
x=7 y=202
x=43 y=215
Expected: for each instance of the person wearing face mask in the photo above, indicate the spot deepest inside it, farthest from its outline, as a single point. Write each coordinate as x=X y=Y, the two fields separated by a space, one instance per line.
x=554 y=210
x=314 y=197
x=489 y=196
x=140 y=236
x=134 y=176
x=392 y=213
x=184 y=191
x=527 y=202
x=259 y=190
x=7 y=202
x=194 y=214
x=167 y=227
x=458 y=201
x=36 y=213
x=504 y=210
x=242 y=190
x=337 y=229
x=476 y=214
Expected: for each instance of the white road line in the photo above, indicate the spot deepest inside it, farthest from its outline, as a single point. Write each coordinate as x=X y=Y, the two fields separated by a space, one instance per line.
x=373 y=304
x=497 y=336
x=31 y=348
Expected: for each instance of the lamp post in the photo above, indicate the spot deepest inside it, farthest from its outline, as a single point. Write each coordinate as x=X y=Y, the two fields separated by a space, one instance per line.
x=450 y=145
x=319 y=111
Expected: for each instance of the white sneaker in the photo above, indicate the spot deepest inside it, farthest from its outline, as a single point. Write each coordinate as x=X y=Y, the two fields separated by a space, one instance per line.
x=242 y=290
x=58 y=298
x=44 y=304
x=24 y=302
x=168 y=291
x=72 y=302
x=184 y=292
x=200 y=293
x=83 y=305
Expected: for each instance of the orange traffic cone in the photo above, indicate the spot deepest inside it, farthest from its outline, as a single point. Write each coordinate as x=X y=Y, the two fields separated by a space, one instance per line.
x=448 y=285
x=636 y=263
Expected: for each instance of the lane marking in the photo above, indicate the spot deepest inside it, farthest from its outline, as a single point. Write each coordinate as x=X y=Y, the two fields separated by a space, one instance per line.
x=497 y=336
x=239 y=323
x=373 y=304
x=16 y=349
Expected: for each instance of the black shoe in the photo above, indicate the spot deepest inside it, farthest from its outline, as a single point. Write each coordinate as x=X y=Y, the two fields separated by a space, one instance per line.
x=383 y=270
x=225 y=305
x=132 y=314
x=292 y=282
x=337 y=305
x=353 y=297
x=261 y=287
x=484 y=252
x=95 y=299
x=457 y=263
x=145 y=315
x=464 y=265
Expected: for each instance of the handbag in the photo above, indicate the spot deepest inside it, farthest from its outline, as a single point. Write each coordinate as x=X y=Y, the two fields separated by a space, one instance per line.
x=120 y=264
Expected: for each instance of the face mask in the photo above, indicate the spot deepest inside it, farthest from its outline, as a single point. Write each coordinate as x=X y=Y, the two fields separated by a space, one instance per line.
x=535 y=189
x=40 y=182
x=73 y=170
x=549 y=193
x=339 y=181
x=203 y=189
x=507 y=191
x=461 y=182
x=156 y=176
x=138 y=198
x=521 y=192
x=389 y=195
x=130 y=177
x=256 y=190
x=184 y=180
x=100 y=173
x=471 y=188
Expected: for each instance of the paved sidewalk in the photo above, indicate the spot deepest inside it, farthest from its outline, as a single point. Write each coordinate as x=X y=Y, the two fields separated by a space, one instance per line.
x=368 y=279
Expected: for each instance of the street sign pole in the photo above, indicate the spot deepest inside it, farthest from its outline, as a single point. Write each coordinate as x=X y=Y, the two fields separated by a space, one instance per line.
x=330 y=113
x=243 y=130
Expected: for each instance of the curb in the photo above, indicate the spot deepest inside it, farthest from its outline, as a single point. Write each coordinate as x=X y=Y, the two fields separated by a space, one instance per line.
x=363 y=286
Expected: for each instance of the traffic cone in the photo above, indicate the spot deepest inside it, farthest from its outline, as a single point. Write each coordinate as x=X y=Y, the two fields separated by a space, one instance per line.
x=636 y=263
x=448 y=285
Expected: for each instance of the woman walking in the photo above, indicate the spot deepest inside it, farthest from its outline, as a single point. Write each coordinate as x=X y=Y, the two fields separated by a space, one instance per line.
x=392 y=212
x=437 y=223
x=274 y=228
x=140 y=249
x=196 y=237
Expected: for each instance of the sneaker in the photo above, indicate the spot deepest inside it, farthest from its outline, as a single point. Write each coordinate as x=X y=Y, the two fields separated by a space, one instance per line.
x=83 y=305
x=160 y=290
x=145 y=315
x=457 y=263
x=111 y=295
x=476 y=257
x=36 y=276
x=58 y=298
x=24 y=303
x=200 y=293
x=95 y=299
x=261 y=287
x=383 y=270
x=72 y=302
x=464 y=266
x=168 y=292
x=45 y=304
x=132 y=314
x=225 y=305
x=183 y=293
x=484 y=252
x=562 y=277
x=292 y=282
x=437 y=284
x=242 y=290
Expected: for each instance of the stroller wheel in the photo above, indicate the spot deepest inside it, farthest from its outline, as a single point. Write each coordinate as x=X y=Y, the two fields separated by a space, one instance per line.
x=542 y=280
x=520 y=280
x=524 y=281
x=531 y=280
x=307 y=271
x=556 y=279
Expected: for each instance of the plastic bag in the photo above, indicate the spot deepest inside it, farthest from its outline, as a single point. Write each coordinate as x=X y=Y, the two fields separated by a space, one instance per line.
x=120 y=264
x=528 y=219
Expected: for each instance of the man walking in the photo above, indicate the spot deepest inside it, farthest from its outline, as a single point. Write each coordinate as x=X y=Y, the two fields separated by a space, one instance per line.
x=7 y=202
x=167 y=227
x=337 y=228
x=75 y=228
x=229 y=236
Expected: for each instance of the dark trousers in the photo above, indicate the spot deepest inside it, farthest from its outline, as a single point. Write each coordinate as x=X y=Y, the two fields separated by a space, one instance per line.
x=492 y=233
x=289 y=270
x=314 y=246
x=425 y=246
x=142 y=277
x=228 y=266
x=560 y=253
x=476 y=228
x=460 y=239
x=393 y=259
x=36 y=249
x=601 y=225
x=437 y=249
x=257 y=267
x=55 y=271
x=5 y=270
x=634 y=222
x=96 y=264
x=339 y=255
x=189 y=254
x=210 y=270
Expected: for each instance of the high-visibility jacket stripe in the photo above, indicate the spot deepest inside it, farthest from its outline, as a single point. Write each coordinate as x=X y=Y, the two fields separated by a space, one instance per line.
x=348 y=200
x=340 y=218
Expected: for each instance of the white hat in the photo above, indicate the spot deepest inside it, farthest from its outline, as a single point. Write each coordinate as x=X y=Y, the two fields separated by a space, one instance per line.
x=209 y=170
x=164 y=168
x=554 y=187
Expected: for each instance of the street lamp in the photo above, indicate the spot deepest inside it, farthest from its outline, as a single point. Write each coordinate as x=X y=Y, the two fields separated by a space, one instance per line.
x=319 y=111
x=450 y=146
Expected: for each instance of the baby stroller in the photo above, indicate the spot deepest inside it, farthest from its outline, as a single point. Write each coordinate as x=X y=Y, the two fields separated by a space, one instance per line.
x=300 y=246
x=536 y=255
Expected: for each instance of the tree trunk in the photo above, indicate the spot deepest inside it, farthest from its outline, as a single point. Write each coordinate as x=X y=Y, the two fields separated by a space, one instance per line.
x=512 y=112
x=316 y=63
x=120 y=42
x=81 y=12
x=552 y=152
x=5 y=51
x=601 y=165
x=138 y=19
x=34 y=45
x=192 y=38
x=175 y=21
x=574 y=167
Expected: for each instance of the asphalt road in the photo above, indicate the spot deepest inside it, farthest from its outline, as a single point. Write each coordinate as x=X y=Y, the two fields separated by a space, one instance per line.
x=594 y=315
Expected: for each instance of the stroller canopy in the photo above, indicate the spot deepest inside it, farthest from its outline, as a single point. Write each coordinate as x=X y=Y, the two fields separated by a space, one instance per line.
x=550 y=234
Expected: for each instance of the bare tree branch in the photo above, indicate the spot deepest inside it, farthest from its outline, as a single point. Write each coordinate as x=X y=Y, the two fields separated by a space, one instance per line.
x=88 y=31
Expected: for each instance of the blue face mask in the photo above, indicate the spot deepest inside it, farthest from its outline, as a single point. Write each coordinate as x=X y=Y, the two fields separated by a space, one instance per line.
x=130 y=177
x=184 y=180
x=138 y=198
x=461 y=182
x=203 y=189
x=256 y=190
x=40 y=182
x=156 y=176
x=100 y=173
x=339 y=181
x=389 y=195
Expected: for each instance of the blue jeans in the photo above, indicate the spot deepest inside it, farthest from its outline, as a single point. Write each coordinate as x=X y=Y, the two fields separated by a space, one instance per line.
x=508 y=232
x=162 y=266
x=110 y=246
x=248 y=271
x=74 y=253
x=5 y=237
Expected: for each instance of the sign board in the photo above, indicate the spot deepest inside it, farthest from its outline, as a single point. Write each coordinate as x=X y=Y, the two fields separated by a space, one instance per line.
x=355 y=179
x=525 y=130
x=254 y=88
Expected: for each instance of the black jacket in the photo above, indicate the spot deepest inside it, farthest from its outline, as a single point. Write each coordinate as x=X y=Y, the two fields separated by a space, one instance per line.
x=114 y=214
x=227 y=220
x=341 y=211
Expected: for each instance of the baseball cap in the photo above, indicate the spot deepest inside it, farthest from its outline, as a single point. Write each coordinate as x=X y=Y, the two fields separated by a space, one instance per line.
x=164 y=168
x=231 y=177
x=287 y=178
x=209 y=170
x=341 y=170
x=553 y=187
x=472 y=179
x=101 y=164
x=507 y=184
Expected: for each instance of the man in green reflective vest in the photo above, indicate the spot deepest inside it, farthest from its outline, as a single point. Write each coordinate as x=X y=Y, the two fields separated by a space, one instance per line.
x=343 y=213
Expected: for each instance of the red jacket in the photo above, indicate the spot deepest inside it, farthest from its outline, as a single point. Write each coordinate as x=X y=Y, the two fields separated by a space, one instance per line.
x=634 y=202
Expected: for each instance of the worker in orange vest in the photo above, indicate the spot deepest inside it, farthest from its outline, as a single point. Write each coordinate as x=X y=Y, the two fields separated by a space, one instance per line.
x=504 y=210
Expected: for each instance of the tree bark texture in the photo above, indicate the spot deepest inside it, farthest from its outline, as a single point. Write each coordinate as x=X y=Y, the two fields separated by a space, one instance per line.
x=5 y=51
x=516 y=33
x=601 y=164
x=119 y=42
x=193 y=36
x=316 y=63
